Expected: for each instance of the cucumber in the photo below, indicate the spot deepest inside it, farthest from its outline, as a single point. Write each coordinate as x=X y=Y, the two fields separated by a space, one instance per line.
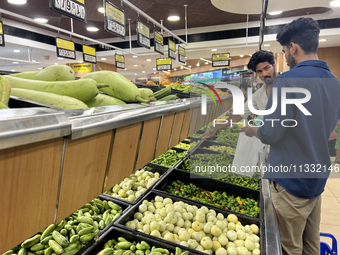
x=167 y=98
x=31 y=241
x=104 y=100
x=85 y=231
x=50 y=73
x=162 y=93
x=47 y=231
x=60 y=239
x=22 y=251
x=106 y=251
x=114 y=206
x=64 y=102
x=37 y=247
x=86 y=238
x=55 y=246
x=48 y=251
x=119 y=86
x=83 y=90
x=5 y=90
x=10 y=252
x=74 y=239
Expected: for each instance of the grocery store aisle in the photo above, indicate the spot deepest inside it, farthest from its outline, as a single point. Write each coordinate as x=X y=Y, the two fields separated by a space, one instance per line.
x=330 y=209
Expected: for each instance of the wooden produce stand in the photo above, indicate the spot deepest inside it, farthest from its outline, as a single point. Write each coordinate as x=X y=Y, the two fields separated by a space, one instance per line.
x=53 y=162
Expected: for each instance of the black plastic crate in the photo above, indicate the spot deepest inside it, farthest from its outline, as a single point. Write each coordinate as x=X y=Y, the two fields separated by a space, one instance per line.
x=245 y=220
x=132 y=236
x=155 y=168
x=17 y=102
x=208 y=184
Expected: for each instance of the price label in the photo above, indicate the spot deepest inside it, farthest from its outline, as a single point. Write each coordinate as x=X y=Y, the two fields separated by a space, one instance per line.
x=159 y=42
x=65 y=48
x=2 y=37
x=222 y=59
x=120 y=61
x=171 y=49
x=75 y=9
x=181 y=55
x=143 y=34
x=114 y=20
x=89 y=54
x=82 y=68
x=163 y=64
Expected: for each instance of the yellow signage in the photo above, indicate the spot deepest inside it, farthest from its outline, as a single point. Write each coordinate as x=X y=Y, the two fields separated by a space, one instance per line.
x=120 y=58
x=221 y=57
x=143 y=29
x=1 y=32
x=81 y=1
x=181 y=51
x=81 y=68
x=115 y=14
x=163 y=61
x=89 y=50
x=64 y=44
x=172 y=45
x=158 y=38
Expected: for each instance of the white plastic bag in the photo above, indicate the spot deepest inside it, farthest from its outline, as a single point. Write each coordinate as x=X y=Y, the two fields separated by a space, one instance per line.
x=246 y=155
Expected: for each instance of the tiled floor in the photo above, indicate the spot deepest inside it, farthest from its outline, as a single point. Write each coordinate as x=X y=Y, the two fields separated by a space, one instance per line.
x=330 y=210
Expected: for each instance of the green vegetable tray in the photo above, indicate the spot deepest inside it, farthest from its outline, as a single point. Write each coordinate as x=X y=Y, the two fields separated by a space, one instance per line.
x=129 y=215
x=208 y=143
x=114 y=233
x=207 y=184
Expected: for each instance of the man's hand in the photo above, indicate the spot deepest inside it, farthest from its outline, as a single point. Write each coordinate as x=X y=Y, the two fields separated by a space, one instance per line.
x=210 y=133
x=250 y=131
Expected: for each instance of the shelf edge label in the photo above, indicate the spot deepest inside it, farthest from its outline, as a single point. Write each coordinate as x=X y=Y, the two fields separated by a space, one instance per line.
x=120 y=61
x=143 y=34
x=159 y=42
x=2 y=36
x=222 y=59
x=89 y=54
x=181 y=55
x=75 y=9
x=114 y=20
x=163 y=64
x=65 y=48
x=171 y=49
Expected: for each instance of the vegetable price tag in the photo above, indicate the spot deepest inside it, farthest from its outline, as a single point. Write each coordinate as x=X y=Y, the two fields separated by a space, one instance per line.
x=222 y=59
x=114 y=20
x=65 y=48
x=2 y=37
x=181 y=55
x=163 y=64
x=89 y=54
x=82 y=68
x=75 y=9
x=120 y=61
x=171 y=49
x=143 y=34
x=159 y=42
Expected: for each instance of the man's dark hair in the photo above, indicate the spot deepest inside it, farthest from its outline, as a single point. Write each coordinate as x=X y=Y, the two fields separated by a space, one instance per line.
x=302 y=31
x=260 y=57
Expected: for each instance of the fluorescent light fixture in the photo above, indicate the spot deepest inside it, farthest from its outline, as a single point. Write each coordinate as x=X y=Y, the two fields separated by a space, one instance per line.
x=16 y=51
x=101 y=9
x=134 y=56
x=335 y=3
x=175 y=69
x=41 y=20
x=12 y=70
x=56 y=63
x=143 y=71
x=39 y=68
x=206 y=60
x=213 y=49
x=241 y=56
x=60 y=58
x=266 y=45
x=80 y=61
x=173 y=18
x=135 y=65
x=206 y=63
x=15 y=62
x=148 y=60
x=92 y=29
x=275 y=13
x=322 y=40
x=34 y=61
x=103 y=58
x=17 y=1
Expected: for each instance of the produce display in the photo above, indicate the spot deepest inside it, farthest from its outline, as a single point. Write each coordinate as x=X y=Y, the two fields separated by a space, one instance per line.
x=5 y=91
x=253 y=183
x=227 y=138
x=169 y=158
x=224 y=149
x=247 y=206
x=193 y=145
x=123 y=246
x=71 y=234
x=133 y=186
x=197 y=228
x=184 y=146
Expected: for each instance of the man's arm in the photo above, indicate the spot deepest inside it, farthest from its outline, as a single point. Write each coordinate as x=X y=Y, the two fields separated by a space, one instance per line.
x=232 y=119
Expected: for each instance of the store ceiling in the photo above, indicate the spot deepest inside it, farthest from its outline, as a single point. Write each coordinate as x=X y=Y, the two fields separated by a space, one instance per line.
x=202 y=17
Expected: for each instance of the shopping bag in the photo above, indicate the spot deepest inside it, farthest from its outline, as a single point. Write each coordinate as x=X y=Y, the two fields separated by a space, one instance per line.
x=246 y=155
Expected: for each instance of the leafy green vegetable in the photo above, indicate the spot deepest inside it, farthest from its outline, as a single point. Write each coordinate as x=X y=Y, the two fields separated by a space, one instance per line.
x=169 y=158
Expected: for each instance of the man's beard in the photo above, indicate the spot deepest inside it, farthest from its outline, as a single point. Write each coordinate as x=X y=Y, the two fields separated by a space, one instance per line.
x=291 y=61
x=269 y=80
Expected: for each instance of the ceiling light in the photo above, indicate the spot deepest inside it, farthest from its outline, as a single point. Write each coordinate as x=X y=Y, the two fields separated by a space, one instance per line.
x=206 y=63
x=143 y=71
x=154 y=72
x=39 y=68
x=80 y=61
x=198 y=64
x=12 y=70
x=173 y=18
x=17 y=1
x=101 y=9
x=56 y=63
x=189 y=66
x=186 y=57
x=148 y=60
x=322 y=40
x=206 y=60
x=181 y=67
x=103 y=58
x=275 y=13
x=153 y=68
x=241 y=56
x=134 y=56
x=60 y=58
x=135 y=65
x=16 y=51
x=15 y=62
x=266 y=45
x=213 y=49
x=335 y=3
x=41 y=20
x=250 y=55
x=92 y=29
x=135 y=74
x=175 y=69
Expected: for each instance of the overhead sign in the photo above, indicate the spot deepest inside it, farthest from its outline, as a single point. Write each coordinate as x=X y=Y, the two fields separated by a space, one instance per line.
x=159 y=42
x=65 y=48
x=222 y=59
x=181 y=54
x=114 y=19
x=171 y=49
x=163 y=64
x=143 y=34
x=120 y=61
x=82 y=68
x=2 y=37
x=75 y=9
x=89 y=54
